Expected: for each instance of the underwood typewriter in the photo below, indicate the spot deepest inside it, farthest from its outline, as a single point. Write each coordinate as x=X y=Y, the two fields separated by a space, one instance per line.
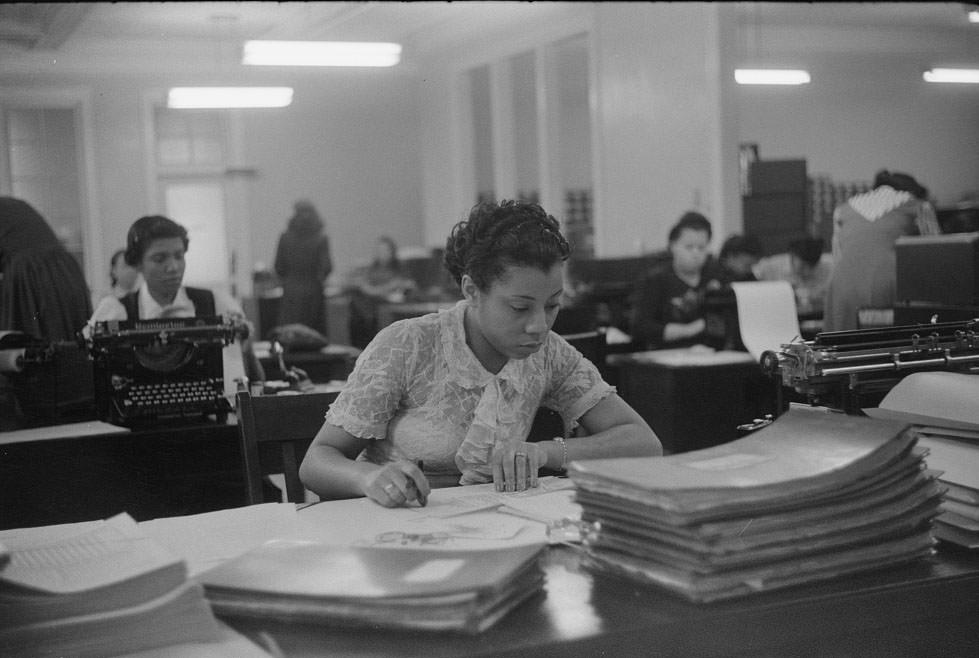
x=846 y=369
x=150 y=370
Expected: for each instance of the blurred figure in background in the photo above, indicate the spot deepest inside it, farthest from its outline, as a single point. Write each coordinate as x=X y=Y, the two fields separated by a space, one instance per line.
x=124 y=277
x=669 y=300
x=805 y=267
x=42 y=288
x=865 y=229
x=384 y=280
x=738 y=256
x=303 y=262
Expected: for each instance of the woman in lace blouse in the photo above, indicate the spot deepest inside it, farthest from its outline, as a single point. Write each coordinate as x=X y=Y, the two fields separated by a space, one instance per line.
x=458 y=389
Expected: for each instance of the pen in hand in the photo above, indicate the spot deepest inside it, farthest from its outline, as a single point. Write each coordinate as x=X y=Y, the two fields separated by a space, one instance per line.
x=413 y=491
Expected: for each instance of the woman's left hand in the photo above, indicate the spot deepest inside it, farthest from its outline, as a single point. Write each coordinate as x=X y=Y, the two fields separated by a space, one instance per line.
x=515 y=466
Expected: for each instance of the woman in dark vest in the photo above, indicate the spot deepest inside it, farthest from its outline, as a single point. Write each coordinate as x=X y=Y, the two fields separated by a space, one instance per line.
x=156 y=246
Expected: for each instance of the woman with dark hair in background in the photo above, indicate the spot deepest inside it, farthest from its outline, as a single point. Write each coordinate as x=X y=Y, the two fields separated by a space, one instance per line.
x=669 y=300
x=865 y=229
x=42 y=288
x=302 y=262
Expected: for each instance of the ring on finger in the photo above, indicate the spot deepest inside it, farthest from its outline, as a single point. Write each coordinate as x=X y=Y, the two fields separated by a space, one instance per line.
x=390 y=488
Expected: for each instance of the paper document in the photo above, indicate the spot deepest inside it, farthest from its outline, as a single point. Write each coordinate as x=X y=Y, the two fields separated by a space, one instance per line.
x=101 y=554
x=767 y=315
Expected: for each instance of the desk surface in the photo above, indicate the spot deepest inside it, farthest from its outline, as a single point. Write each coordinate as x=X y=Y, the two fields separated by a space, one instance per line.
x=924 y=609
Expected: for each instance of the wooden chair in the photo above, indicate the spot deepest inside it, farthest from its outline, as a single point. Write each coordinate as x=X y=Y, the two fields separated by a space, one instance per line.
x=288 y=422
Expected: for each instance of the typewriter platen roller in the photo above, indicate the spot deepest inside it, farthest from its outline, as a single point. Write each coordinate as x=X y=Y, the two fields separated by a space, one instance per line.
x=840 y=365
x=150 y=370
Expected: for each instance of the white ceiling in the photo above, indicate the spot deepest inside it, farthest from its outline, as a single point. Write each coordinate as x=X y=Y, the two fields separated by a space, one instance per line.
x=137 y=34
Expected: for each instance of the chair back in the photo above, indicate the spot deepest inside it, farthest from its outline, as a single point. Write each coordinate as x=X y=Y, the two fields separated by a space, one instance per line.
x=275 y=432
x=591 y=344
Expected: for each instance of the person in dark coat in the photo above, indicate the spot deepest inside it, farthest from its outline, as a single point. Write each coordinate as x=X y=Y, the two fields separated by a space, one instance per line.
x=42 y=288
x=302 y=262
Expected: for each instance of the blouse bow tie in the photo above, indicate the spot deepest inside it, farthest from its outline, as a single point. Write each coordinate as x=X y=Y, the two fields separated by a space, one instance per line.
x=493 y=422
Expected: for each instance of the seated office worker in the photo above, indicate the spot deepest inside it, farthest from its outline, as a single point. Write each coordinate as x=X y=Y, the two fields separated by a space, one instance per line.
x=156 y=247
x=458 y=389
x=668 y=301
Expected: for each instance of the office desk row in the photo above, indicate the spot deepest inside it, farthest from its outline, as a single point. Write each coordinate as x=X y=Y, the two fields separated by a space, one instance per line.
x=925 y=609
x=65 y=475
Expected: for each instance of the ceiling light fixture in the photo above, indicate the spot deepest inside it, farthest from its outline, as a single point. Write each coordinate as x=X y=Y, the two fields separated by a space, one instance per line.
x=973 y=15
x=320 y=53
x=228 y=97
x=771 y=77
x=961 y=76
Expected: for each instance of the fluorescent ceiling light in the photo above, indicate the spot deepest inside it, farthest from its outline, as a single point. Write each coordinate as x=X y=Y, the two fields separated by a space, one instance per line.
x=974 y=16
x=961 y=76
x=771 y=77
x=228 y=97
x=321 y=53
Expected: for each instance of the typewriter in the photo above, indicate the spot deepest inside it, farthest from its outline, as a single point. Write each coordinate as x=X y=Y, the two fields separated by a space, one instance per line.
x=846 y=369
x=165 y=369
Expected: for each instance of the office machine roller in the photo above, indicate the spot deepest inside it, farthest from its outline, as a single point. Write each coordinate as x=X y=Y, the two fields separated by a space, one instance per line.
x=172 y=368
x=839 y=367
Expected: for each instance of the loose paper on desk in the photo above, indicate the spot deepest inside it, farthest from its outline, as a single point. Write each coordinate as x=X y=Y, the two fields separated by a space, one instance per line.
x=766 y=315
x=940 y=399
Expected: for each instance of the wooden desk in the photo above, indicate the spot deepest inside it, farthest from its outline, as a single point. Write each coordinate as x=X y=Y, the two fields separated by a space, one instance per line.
x=171 y=469
x=333 y=362
x=694 y=402
x=928 y=608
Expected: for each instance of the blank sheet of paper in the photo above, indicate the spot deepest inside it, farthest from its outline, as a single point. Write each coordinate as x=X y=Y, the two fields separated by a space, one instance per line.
x=766 y=315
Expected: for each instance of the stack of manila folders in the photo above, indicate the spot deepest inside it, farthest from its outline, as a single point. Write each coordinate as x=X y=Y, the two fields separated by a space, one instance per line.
x=815 y=495
x=942 y=408
x=104 y=591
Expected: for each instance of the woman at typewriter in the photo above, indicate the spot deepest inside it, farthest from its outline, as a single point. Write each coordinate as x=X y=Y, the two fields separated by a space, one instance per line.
x=156 y=246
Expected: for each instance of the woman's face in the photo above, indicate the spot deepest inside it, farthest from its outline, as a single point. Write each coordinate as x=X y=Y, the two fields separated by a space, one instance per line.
x=511 y=319
x=163 y=267
x=690 y=251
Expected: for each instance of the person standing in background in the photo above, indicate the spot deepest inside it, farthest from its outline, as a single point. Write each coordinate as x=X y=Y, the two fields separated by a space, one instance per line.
x=42 y=288
x=865 y=229
x=303 y=262
x=124 y=277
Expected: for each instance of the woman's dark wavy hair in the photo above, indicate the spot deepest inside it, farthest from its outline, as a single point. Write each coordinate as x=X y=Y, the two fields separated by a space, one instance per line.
x=498 y=236
x=901 y=182
x=690 y=220
x=146 y=229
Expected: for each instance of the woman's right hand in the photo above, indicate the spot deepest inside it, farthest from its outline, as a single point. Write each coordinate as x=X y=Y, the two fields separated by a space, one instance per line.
x=397 y=484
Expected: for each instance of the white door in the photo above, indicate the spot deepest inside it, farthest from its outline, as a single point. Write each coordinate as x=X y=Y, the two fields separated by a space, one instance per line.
x=198 y=204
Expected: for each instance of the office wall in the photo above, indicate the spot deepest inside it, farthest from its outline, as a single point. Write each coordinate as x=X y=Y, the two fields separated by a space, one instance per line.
x=352 y=149
x=661 y=126
x=864 y=115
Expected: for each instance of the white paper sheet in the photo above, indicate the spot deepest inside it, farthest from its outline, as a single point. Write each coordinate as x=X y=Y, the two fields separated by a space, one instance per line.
x=766 y=315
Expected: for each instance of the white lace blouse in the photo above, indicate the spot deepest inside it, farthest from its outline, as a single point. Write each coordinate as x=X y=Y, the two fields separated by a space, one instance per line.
x=420 y=393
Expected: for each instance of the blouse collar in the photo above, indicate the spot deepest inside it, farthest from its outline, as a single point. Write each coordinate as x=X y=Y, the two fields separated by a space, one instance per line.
x=465 y=369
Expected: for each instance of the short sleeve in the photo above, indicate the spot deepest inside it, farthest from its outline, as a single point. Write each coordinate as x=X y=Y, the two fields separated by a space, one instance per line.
x=575 y=384
x=375 y=388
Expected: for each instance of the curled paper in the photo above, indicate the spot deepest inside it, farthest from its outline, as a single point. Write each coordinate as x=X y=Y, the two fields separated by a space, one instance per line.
x=12 y=360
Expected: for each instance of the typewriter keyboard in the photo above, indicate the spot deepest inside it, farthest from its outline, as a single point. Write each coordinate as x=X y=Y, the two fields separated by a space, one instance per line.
x=173 y=398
